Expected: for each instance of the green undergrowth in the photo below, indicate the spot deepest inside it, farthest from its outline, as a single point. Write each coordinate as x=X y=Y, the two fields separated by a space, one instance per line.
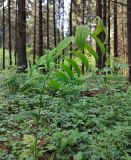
x=72 y=126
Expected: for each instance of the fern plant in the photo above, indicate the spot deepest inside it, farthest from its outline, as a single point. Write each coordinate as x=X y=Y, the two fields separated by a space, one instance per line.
x=67 y=70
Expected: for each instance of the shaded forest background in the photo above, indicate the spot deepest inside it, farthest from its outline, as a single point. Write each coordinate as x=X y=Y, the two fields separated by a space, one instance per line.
x=48 y=22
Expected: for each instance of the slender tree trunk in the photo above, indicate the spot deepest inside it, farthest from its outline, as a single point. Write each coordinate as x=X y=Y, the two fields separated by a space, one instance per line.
x=16 y=32
x=34 y=46
x=109 y=32
x=9 y=29
x=129 y=35
x=22 y=59
x=59 y=29
x=59 y=20
x=62 y=26
x=104 y=20
x=71 y=26
x=123 y=39
x=115 y=30
x=40 y=29
x=83 y=22
x=99 y=14
x=54 y=22
x=48 y=24
x=3 y=65
x=123 y=42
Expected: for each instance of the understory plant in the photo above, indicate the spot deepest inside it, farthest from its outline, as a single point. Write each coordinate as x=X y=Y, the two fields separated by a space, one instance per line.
x=51 y=71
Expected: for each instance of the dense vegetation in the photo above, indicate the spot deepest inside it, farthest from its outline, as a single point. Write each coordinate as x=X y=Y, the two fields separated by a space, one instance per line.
x=72 y=124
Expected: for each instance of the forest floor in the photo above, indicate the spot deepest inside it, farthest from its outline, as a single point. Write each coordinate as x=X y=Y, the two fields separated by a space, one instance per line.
x=86 y=120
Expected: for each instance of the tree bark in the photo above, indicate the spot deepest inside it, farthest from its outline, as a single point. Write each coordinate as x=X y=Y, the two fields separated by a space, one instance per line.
x=48 y=24
x=99 y=14
x=71 y=25
x=129 y=35
x=22 y=60
x=104 y=21
x=9 y=25
x=109 y=32
x=62 y=26
x=54 y=22
x=16 y=32
x=83 y=22
x=3 y=65
x=40 y=29
x=34 y=45
x=115 y=30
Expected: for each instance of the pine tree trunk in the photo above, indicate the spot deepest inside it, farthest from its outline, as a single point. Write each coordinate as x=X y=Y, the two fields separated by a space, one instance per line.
x=48 y=25
x=59 y=20
x=34 y=45
x=40 y=29
x=83 y=22
x=62 y=26
x=109 y=32
x=99 y=14
x=16 y=32
x=71 y=26
x=3 y=65
x=104 y=20
x=22 y=60
x=115 y=30
x=9 y=29
x=129 y=35
x=54 y=22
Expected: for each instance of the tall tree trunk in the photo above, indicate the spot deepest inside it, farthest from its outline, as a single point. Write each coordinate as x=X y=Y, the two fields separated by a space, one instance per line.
x=22 y=59
x=99 y=14
x=34 y=45
x=54 y=22
x=115 y=30
x=16 y=31
x=40 y=29
x=109 y=32
x=48 y=24
x=59 y=29
x=123 y=41
x=3 y=65
x=83 y=22
x=62 y=26
x=104 y=20
x=129 y=35
x=71 y=26
x=9 y=29
x=59 y=20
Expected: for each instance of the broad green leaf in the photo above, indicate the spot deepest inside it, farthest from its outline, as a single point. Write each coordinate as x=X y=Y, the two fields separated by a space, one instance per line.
x=83 y=58
x=61 y=76
x=91 y=51
x=25 y=115
x=62 y=45
x=75 y=66
x=100 y=44
x=81 y=36
x=99 y=27
x=68 y=70
x=49 y=59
